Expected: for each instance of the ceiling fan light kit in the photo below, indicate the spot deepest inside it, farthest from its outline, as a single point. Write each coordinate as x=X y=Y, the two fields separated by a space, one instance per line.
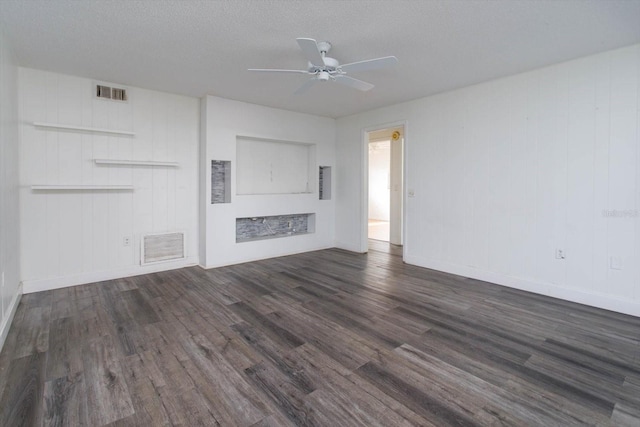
x=323 y=68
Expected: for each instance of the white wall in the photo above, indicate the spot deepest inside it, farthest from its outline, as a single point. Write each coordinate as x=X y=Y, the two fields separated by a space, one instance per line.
x=506 y=172
x=10 y=289
x=225 y=120
x=77 y=237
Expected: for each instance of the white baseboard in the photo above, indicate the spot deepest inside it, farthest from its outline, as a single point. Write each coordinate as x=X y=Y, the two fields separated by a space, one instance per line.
x=98 y=276
x=593 y=299
x=6 y=322
x=349 y=247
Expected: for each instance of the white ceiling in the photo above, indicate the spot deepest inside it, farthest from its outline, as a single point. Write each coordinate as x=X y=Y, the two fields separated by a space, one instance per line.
x=204 y=47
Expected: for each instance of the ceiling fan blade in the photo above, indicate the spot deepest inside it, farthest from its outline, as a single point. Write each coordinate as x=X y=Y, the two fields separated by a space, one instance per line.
x=273 y=70
x=370 y=64
x=310 y=49
x=354 y=83
x=306 y=86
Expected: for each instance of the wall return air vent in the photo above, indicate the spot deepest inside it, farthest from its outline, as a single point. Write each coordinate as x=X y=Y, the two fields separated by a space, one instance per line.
x=162 y=247
x=113 y=93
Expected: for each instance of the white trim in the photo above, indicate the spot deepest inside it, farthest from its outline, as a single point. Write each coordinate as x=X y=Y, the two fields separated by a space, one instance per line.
x=83 y=128
x=6 y=322
x=84 y=278
x=604 y=301
x=364 y=197
x=364 y=202
x=41 y=187
x=134 y=162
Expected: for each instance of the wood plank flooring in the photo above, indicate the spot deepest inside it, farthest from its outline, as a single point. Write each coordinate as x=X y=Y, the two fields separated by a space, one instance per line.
x=327 y=338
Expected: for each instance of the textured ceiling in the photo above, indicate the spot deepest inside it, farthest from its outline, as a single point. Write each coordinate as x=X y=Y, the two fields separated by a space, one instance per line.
x=204 y=47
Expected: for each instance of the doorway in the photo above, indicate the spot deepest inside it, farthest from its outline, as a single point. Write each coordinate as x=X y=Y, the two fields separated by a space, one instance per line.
x=385 y=188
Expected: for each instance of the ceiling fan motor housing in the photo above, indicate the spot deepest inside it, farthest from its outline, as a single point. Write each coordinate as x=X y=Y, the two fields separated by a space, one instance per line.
x=323 y=68
x=330 y=65
x=324 y=47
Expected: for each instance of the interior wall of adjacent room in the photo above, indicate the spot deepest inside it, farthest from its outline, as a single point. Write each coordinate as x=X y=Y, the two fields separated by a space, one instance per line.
x=225 y=121
x=379 y=170
x=78 y=237
x=507 y=172
x=10 y=289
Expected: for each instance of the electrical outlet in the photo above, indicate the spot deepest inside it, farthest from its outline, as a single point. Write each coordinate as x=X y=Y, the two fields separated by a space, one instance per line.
x=126 y=241
x=560 y=254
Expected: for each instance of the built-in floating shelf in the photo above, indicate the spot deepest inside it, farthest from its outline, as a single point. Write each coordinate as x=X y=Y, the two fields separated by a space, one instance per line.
x=134 y=163
x=83 y=128
x=81 y=187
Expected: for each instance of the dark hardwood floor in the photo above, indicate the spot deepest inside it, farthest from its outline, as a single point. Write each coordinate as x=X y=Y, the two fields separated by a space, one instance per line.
x=324 y=338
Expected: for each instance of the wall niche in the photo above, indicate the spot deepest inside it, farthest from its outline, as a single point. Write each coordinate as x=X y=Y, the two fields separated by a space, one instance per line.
x=267 y=166
x=271 y=227
x=220 y=181
x=324 y=183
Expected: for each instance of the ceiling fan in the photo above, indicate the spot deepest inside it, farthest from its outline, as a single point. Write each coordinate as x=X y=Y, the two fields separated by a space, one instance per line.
x=324 y=68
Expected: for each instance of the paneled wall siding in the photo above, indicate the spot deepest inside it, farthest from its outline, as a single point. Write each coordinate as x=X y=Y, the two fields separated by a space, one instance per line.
x=71 y=237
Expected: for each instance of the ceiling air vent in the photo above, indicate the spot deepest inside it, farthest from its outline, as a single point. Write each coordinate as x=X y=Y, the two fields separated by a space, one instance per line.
x=103 y=91
x=114 y=93
x=119 y=94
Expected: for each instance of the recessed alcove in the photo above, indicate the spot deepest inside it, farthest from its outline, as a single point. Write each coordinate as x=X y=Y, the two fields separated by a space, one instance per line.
x=220 y=181
x=270 y=227
x=268 y=166
x=324 y=183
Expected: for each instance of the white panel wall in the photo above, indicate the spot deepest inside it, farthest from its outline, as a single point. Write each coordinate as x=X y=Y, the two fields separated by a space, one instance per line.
x=10 y=289
x=507 y=172
x=78 y=237
x=225 y=120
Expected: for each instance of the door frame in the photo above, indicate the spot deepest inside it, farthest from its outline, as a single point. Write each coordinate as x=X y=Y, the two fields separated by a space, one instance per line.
x=364 y=179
